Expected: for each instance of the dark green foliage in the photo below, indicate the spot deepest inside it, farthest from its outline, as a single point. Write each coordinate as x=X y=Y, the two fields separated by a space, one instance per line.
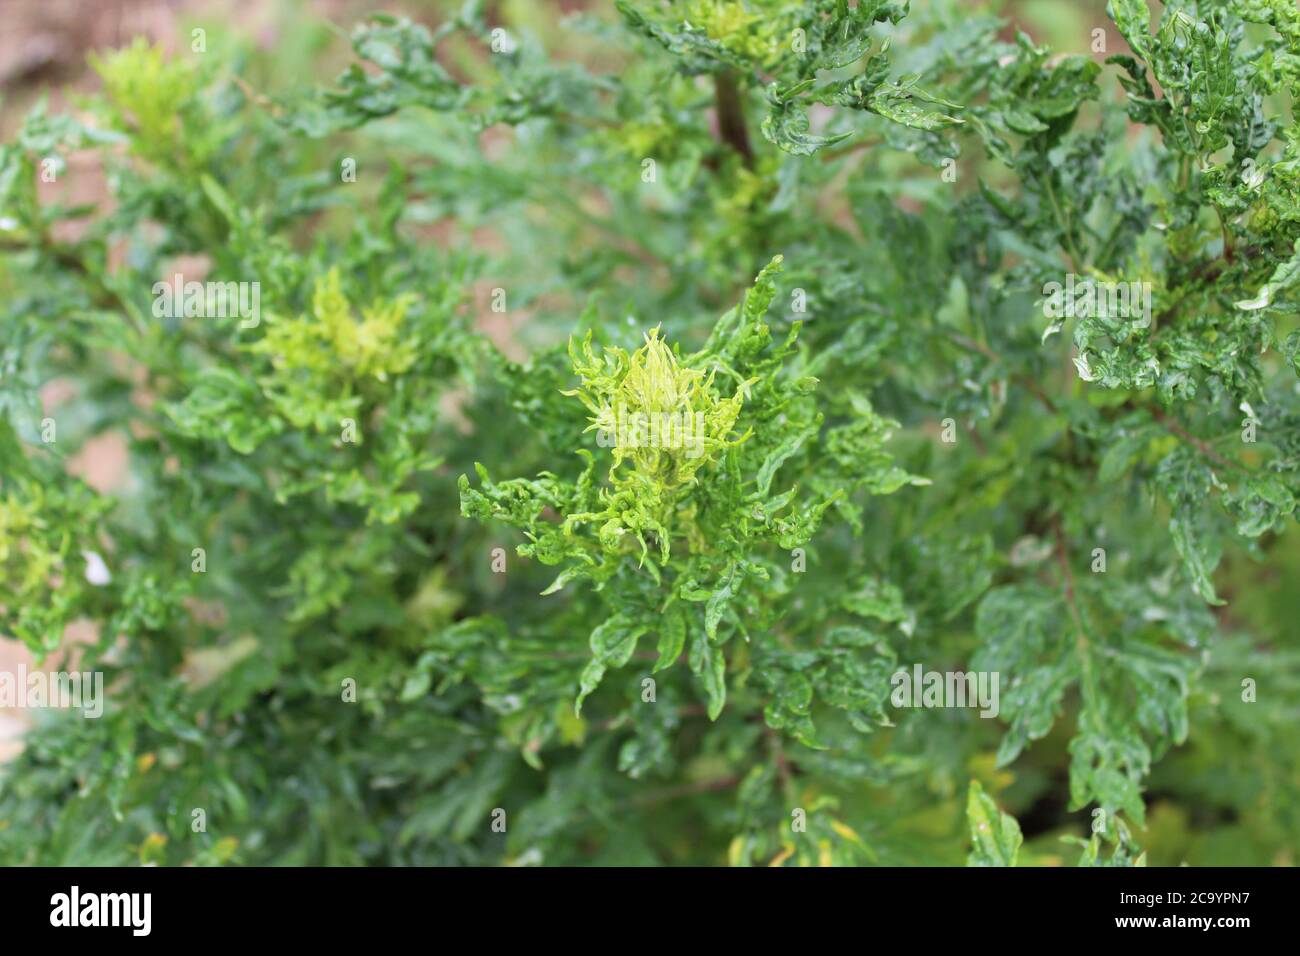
x=826 y=232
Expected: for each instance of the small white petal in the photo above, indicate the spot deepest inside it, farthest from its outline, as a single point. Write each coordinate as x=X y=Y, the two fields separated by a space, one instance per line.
x=96 y=570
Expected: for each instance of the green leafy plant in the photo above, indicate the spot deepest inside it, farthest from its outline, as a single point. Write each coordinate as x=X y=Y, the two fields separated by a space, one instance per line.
x=632 y=403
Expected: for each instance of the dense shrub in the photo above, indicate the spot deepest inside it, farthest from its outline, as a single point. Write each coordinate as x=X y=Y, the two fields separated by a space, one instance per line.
x=981 y=359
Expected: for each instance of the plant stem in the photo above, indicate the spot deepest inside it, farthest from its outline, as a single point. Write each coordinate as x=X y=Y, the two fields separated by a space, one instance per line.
x=1197 y=443
x=835 y=152
x=1024 y=380
x=1227 y=234
x=1066 y=229
x=731 y=115
x=1082 y=645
